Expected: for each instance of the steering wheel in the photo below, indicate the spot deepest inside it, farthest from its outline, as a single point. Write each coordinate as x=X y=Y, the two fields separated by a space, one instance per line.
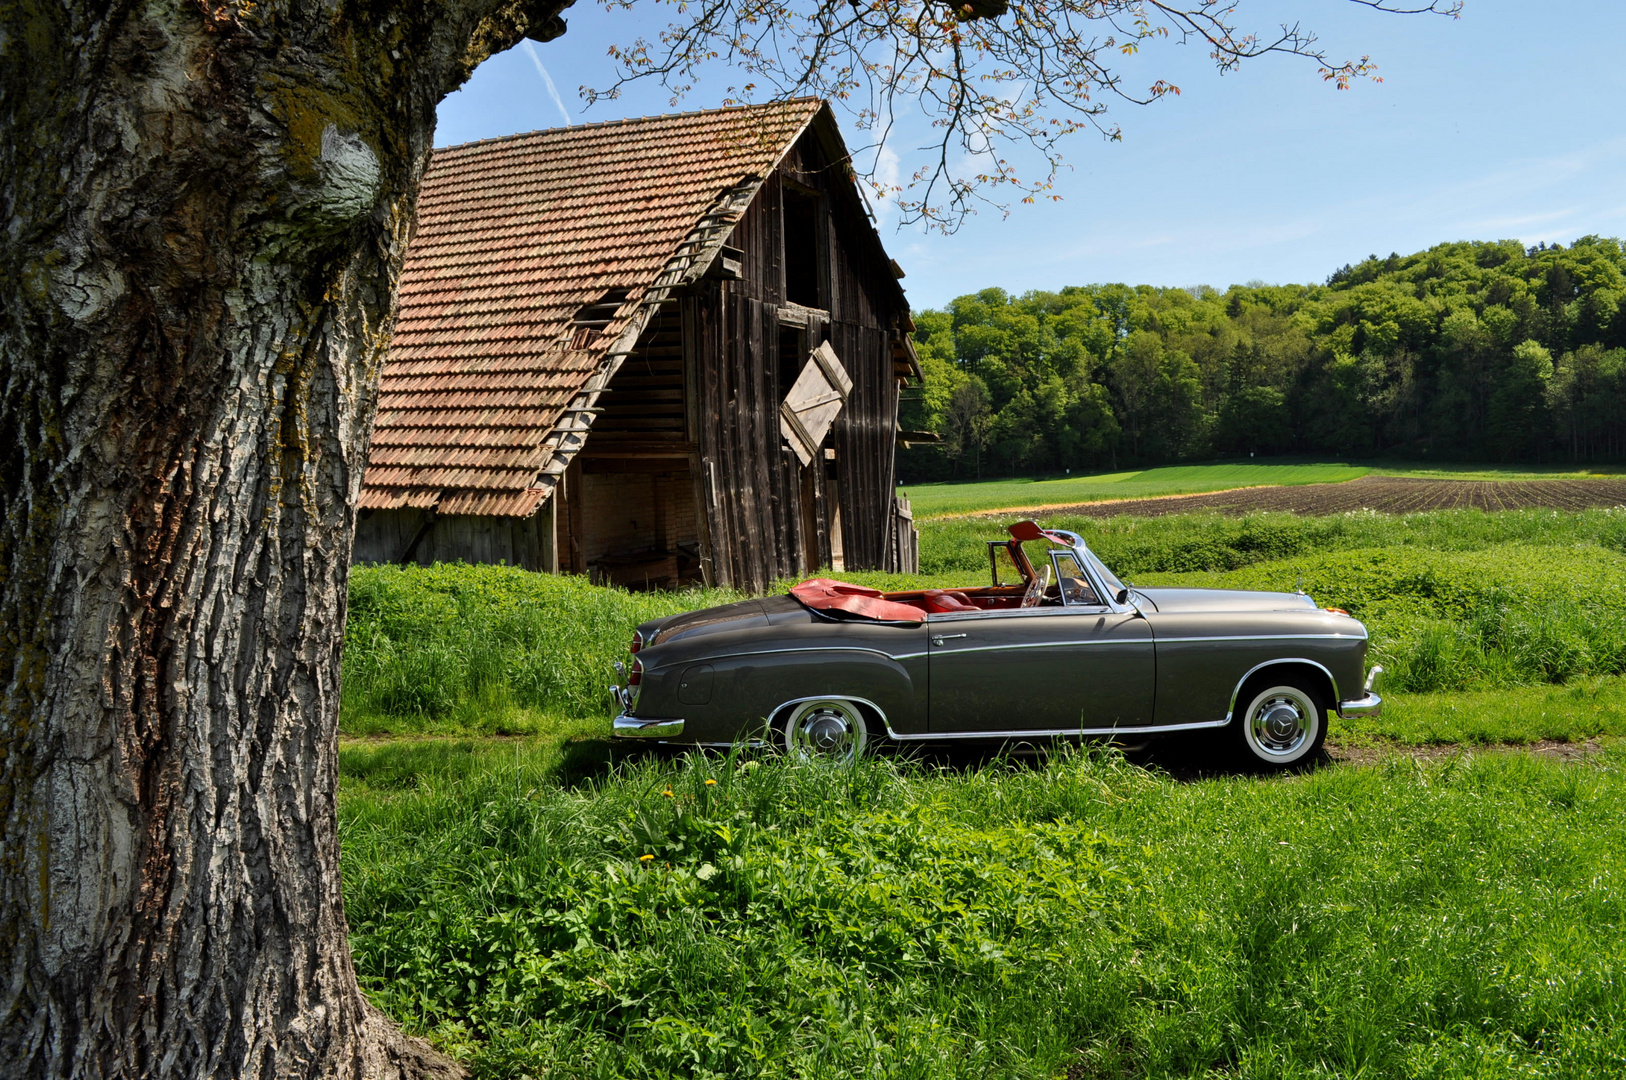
x=1036 y=589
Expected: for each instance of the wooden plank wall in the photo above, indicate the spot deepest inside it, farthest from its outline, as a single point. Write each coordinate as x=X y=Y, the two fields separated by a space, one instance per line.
x=752 y=487
x=643 y=405
x=383 y=536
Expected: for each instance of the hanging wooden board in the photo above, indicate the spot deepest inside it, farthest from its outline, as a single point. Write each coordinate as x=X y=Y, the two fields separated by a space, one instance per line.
x=814 y=402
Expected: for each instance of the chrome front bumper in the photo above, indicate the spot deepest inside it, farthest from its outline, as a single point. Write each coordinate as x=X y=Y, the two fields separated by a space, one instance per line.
x=645 y=727
x=1370 y=705
x=1367 y=705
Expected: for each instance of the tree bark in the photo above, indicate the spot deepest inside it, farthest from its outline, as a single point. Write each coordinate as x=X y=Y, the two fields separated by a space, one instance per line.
x=205 y=206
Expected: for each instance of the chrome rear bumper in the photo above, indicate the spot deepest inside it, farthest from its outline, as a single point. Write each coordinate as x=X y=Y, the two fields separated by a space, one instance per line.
x=646 y=727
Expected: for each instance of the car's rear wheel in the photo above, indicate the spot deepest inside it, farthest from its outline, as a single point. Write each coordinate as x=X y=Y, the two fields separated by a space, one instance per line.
x=829 y=728
x=1282 y=725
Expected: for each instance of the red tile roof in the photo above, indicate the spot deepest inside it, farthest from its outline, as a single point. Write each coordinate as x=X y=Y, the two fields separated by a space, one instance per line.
x=514 y=237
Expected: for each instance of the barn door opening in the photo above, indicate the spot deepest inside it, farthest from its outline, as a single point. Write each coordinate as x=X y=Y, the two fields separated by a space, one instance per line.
x=832 y=497
x=804 y=255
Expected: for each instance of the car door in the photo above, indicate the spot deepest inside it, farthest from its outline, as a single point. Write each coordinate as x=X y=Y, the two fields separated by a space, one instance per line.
x=1044 y=669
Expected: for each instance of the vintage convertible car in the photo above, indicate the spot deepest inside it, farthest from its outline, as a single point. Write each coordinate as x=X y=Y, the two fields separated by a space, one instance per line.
x=1050 y=651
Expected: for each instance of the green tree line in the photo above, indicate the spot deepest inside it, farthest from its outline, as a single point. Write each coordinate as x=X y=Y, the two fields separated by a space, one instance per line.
x=1471 y=351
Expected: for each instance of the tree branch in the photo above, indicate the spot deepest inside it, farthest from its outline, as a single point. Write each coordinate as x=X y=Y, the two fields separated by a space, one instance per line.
x=988 y=75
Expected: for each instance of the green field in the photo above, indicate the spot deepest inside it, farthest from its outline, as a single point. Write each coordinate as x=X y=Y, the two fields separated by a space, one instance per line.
x=721 y=917
x=971 y=496
x=1072 y=916
x=974 y=496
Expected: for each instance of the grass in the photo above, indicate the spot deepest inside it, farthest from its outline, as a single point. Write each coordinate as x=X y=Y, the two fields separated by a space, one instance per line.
x=971 y=496
x=1213 y=541
x=1588 y=708
x=1431 y=471
x=1078 y=917
x=454 y=649
x=1506 y=616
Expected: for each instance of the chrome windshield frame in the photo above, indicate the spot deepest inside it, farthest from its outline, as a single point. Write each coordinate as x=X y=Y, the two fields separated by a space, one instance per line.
x=1087 y=560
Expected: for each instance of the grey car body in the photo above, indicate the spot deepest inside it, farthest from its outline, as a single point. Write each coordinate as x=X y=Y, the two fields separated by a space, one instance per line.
x=1089 y=657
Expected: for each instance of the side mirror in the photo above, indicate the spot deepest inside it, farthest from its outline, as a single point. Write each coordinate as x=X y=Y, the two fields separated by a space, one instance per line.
x=1123 y=596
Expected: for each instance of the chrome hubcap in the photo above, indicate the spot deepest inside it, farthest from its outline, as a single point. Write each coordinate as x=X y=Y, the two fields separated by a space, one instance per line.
x=1282 y=723
x=829 y=729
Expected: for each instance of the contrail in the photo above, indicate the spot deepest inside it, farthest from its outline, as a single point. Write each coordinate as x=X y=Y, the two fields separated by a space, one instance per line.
x=553 y=91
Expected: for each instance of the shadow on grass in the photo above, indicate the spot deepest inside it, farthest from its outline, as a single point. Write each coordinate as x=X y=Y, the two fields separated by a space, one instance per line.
x=1186 y=758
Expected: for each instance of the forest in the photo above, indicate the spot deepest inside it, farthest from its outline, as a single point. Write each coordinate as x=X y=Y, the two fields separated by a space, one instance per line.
x=1470 y=351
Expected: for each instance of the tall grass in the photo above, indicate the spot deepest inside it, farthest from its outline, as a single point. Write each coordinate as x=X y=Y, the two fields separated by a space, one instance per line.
x=492 y=649
x=1181 y=543
x=1509 y=615
x=725 y=917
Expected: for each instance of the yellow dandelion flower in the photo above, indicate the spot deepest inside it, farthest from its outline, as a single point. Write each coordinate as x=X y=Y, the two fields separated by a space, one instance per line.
x=645 y=858
x=711 y=783
x=668 y=793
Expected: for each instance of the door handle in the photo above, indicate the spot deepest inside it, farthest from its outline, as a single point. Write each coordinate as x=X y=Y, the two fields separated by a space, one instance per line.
x=938 y=639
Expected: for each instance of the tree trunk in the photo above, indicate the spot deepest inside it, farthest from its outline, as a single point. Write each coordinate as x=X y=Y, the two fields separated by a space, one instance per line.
x=205 y=206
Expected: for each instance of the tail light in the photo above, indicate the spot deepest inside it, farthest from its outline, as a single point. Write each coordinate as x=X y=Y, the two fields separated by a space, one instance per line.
x=1336 y=611
x=635 y=674
x=637 y=642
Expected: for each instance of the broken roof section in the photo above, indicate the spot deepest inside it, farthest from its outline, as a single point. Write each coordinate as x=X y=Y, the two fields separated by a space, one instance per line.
x=537 y=262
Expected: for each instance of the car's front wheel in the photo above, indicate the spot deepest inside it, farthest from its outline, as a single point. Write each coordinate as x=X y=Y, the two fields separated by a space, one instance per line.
x=1281 y=726
x=831 y=728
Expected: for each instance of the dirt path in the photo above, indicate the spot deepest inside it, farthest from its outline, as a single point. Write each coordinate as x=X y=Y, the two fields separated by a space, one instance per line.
x=1375 y=753
x=1385 y=494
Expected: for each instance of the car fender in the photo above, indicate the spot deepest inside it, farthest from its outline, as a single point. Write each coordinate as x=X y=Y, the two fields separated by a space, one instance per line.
x=750 y=686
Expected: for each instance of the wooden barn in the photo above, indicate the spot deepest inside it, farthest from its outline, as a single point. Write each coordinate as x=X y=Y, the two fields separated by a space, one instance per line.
x=653 y=351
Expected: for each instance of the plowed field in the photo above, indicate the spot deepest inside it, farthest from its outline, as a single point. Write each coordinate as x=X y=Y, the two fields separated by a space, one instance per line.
x=1387 y=494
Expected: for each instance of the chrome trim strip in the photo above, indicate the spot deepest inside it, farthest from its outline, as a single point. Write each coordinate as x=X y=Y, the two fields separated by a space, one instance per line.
x=1143 y=729
x=1370 y=705
x=1263 y=637
x=810 y=648
x=646 y=727
x=1010 y=613
x=1043 y=733
x=1271 y=663
x=949 y=736
x=950 y=650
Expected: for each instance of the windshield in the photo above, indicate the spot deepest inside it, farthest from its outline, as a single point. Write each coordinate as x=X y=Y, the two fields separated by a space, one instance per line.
x=1108 y=578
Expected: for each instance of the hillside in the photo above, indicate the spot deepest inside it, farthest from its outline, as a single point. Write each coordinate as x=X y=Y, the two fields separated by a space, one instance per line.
x=1467 y=351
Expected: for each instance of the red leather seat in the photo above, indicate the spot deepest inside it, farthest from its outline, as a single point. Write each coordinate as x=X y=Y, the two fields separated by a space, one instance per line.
x=941 y=600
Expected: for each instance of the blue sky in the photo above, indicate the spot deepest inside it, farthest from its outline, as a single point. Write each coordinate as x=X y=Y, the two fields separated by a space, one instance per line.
x=1506 y=123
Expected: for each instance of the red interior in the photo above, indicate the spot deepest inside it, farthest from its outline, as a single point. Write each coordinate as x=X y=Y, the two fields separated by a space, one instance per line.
x=940 y=601
x=823 y=594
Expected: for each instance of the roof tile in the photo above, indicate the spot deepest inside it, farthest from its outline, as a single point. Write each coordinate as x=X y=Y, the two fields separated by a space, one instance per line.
x=514 y=236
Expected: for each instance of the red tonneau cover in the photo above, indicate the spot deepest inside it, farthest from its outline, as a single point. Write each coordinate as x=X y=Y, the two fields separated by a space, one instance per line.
x=823 y=594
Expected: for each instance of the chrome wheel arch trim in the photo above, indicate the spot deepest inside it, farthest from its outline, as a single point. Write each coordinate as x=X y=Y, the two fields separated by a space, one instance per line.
x=1240 y=683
